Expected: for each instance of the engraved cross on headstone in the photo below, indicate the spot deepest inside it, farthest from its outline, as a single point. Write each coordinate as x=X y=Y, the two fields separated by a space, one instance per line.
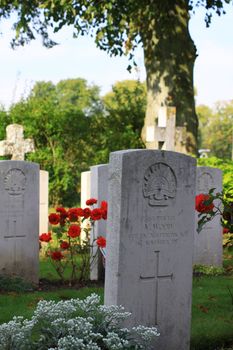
x=156 y=279
x=14 y=229
x=15 y=144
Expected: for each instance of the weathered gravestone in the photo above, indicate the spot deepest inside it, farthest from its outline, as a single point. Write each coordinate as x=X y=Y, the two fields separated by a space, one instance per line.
x=85 y=194
x=99 y=190
x=150 y=227
x=16 y=146
x=208 y=243
x=19 y=219
x=44 y=201
x=85 y=187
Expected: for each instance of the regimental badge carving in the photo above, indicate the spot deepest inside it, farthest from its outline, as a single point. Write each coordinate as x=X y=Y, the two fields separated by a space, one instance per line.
x=159 y=184
x=15 y=181
x=205 y=182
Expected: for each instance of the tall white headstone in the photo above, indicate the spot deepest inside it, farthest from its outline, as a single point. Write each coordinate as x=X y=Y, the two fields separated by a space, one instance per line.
x=44 y=201
x=85 y=194
x=99 y=190
x=208 y=243
x=85 y=187
x=150 y=233
x=19 y=219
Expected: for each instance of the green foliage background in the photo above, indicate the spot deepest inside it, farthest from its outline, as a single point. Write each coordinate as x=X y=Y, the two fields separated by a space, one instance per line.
x=74 y=128
x=226 y=165
x=216 y=129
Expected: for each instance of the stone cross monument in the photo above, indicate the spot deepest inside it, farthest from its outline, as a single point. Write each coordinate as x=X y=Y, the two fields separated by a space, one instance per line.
x=15 y=144
x=166 y=135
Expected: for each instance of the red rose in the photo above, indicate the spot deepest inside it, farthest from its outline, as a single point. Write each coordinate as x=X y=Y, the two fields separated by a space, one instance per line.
x=62 y=211
x=79 y=211
x=54 y=219
x=56 y=255
x=104 y=208
x=45 y=237
x=201 y=207
x=96 y=214
x=104 y=205
x=91 y=201
x=73 y=214
x=64 y=245
x=225 y=230
x=101 y=242
x=74 y=231
x=86 y=212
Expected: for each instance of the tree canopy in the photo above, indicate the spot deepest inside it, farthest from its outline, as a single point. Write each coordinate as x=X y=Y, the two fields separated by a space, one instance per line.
x=74 y=128
x=119 y=26
x=216 y=129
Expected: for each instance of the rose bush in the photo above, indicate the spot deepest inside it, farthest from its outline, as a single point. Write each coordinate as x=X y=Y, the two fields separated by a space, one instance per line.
x=211 y=204
x=67 y=245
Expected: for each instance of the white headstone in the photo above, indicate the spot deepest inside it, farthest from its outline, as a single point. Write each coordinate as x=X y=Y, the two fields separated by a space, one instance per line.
x=150 y=227
x=85 y=187
x=208 y=243
x=85 y=194
x=99 y=190
x=44 y=201
x=19 y=219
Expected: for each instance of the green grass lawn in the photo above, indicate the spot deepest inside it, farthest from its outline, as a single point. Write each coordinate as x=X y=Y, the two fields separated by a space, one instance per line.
x=212 y=311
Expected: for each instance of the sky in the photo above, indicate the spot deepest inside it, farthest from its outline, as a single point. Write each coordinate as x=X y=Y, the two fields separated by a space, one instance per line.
x=75 y=58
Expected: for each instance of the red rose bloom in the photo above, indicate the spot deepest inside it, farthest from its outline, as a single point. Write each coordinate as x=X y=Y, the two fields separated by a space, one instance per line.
x=86 y=212
x=101 y=242
x=56 y=255
x=62 y=211
x=104 y=205
x=54 y=219
x=45 y=237
x=91 y=201
x=104 y=208
x=96 y=214
x=74 y=231
x=225 y=230
x=73 y=214
x=64 y=245
x=201 y=207
x=79 y=211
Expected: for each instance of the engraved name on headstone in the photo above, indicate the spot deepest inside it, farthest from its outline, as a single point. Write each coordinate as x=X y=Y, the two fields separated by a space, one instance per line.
x=208 y=243
x=150 y=226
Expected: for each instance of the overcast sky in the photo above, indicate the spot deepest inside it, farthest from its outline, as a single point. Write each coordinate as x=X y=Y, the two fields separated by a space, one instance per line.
x=73 y=58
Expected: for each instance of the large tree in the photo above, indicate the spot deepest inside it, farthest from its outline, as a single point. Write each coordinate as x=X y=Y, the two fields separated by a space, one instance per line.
x=161 y=26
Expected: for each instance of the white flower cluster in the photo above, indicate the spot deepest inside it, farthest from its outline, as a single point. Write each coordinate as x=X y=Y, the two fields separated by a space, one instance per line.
x=74 y=325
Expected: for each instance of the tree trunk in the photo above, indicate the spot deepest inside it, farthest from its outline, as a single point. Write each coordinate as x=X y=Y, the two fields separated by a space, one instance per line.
x=169 y=55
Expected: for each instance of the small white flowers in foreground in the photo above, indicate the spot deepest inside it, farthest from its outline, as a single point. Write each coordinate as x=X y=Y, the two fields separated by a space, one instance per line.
x=75 y=325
